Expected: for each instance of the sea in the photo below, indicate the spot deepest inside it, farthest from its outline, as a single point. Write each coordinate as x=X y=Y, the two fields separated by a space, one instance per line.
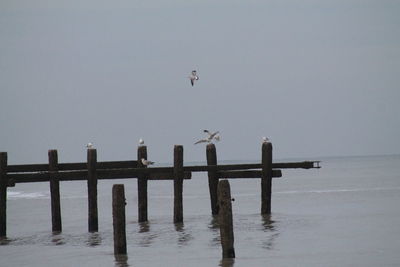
x=347 y=213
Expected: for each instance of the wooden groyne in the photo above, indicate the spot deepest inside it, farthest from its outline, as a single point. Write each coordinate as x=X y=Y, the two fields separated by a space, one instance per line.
x=92 y=171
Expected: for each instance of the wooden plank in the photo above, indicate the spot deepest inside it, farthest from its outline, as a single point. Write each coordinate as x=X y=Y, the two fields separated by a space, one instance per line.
x=82 y=175
x=225 y=219
x=211 y=154
x=266 y=177
x=132 y=164
x=100 y=165
x=142 y=185
x=3 y=194
x=296 y=165
x=178 y=184
x=93 y=221
x=249 y=166
x=246 y=174
x=228 y=167
x=117 y=164
x=72 y=166
x=54 y=192
x=119 y=219
x=28 y=168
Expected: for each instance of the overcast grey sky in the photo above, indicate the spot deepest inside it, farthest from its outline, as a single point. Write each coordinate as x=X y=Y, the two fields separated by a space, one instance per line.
x=320 y=78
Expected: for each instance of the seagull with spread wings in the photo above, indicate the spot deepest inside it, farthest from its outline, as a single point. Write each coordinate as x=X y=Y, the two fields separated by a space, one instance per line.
x=210 y=137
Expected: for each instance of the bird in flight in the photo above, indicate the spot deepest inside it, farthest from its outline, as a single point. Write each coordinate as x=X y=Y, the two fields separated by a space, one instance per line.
x=193 y=77
x=210 y=137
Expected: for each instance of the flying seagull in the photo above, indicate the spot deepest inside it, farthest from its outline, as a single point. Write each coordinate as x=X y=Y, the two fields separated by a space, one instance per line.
x=193 y=77
x=146 y=162
x=89 y=145
x=210 y=137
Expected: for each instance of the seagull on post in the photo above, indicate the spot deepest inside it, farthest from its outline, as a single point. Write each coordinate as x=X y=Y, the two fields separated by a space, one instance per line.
x=146 y=162
x=141 y=142
x=89 y=145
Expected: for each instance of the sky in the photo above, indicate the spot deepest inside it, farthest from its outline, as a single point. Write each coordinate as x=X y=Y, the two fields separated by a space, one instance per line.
x=318 y=77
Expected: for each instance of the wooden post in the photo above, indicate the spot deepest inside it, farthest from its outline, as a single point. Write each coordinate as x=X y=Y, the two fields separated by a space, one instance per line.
x=3 y=194
x=212 y=178
x=225 y=219
x=119 y=220
x=54 y=192
x=266 y=177
x=92 y=189
x=142 y=186
x=178 y=184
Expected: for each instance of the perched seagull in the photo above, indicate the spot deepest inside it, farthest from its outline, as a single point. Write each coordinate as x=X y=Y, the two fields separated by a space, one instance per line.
x=146 y=162
x=210 y=137
x=265 y=139
x=141 y=142
x=193 y=77
x=89 y=145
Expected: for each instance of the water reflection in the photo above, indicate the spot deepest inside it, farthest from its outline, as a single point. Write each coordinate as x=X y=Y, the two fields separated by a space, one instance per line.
x=94 y=239
x=121 y=261
x=267 y=222
x=214 y=227
x=146 y=238
x=57 y=239
x=269 y=226
x=4 y=241
x=144 y=227
x=183 y=237
x=227 y=262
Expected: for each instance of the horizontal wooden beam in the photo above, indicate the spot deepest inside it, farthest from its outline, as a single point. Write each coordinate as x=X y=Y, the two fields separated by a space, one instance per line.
x=72 y=166
x=246 y=174
x=82 y=176
x=132 y=164
x=296 y=165
x=232 y=167
x=28 y=168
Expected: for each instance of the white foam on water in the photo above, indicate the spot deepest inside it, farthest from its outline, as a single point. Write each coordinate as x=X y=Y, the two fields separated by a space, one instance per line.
x=25 y=195
x=338 y=190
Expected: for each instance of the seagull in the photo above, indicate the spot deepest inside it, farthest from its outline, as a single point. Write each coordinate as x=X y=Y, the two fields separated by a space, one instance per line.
x=210 y=137
x=193 y=77
x=141 y=142
x=89 y=145
x=265 y=140
x=146 y=162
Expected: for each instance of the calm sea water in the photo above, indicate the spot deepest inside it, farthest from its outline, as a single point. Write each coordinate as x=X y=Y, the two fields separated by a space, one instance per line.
x=345 y=214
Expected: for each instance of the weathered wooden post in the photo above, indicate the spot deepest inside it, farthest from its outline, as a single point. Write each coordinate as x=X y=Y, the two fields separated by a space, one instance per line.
x=266 y=177
x=142 y=186
x=212 y=178
x=119 y=220
x=92 y=189
x=225 y=219
x=54 y=191
x=178 y=184
x=3 y=194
